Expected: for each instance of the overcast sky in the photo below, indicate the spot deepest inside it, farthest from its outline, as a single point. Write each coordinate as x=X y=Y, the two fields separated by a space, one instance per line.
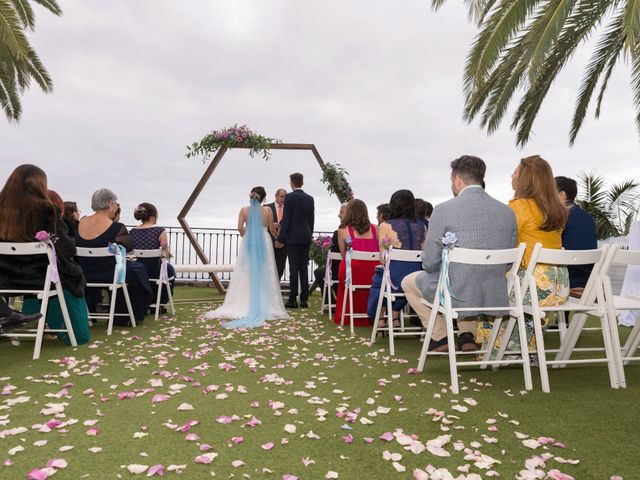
x=375 y=85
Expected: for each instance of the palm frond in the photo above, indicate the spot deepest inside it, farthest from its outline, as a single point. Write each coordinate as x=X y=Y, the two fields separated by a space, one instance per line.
x=25 y=12
x=607 y=51
x=545 y=31
x=51 y=5
x=11 y=35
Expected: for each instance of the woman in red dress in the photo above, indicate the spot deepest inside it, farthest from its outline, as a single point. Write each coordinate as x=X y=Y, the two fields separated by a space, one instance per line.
x=364 y=238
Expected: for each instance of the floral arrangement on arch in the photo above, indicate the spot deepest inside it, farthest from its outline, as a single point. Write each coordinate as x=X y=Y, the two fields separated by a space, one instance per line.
x=236 y=136
x=320 y=246
x=334 y=176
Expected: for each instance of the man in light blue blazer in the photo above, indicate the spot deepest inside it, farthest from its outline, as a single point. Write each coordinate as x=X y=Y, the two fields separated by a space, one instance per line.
x=479 y=221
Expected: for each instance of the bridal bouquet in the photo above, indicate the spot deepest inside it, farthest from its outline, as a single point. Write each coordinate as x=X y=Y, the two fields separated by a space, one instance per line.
x=319 y=248
x=334 y=176
x=236 y=136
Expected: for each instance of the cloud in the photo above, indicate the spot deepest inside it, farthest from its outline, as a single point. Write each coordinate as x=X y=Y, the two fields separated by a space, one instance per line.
x=377 y=86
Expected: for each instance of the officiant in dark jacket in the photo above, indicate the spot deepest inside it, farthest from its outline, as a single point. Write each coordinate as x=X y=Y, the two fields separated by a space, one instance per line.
x=277 y=210
x=296 y=231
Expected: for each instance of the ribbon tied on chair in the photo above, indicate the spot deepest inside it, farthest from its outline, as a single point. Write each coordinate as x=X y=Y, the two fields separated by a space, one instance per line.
x=448 y=243
x=164 y=271
x=347 y=257
x=327 y=272
x=45 y=238
x=121 y=261
x=386 y=258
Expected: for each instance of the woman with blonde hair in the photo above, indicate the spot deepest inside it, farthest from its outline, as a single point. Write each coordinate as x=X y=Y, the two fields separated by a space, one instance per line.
x=541 y=217
x=358 y=233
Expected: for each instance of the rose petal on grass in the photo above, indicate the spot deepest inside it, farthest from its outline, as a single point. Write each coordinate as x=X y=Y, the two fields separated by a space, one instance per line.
x=238 y=463
x=137 y=469
x=158 y=470
x=267 y=446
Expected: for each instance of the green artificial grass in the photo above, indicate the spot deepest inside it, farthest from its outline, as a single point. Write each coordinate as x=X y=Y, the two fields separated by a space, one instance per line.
x=305 y=372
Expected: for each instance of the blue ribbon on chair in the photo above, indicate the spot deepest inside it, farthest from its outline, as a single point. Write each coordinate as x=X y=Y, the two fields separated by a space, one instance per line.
x=448 y=243
x=121 y=261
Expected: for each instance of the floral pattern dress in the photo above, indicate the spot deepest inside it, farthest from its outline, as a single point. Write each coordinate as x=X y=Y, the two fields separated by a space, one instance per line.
x=551 y=281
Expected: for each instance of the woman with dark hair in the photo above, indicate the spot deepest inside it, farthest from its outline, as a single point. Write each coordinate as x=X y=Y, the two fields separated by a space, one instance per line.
x=383 y=212
x=541 y=217
x=26 y=207
x=71 y=214
x=360 y=235
x=98 y=231
x=254 y=295
x=148 y=236
x=401 y=231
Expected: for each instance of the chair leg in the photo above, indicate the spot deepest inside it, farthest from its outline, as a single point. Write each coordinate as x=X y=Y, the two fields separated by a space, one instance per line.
x=112 y=308
x=44 y=305
x=344 y=304
x=351 y=311
x=504 y=341
x=524 y=349
x=65 y=315
x=170 y=296
x=542 y=359
x=128 y=301
x=571 y=338
x=492 y=341
x=322 y=305
x=158 y=296
x=427 y=338
x=453 y=365
x=609 y=320
x=562 y=325
x=374 y=331
x=632 y=343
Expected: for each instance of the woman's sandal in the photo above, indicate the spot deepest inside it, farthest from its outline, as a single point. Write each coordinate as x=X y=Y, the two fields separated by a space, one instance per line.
x=382 y=324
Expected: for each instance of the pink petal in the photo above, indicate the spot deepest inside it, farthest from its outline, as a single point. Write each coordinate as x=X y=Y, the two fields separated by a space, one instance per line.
x=267 y=446
x=368 y=439
x=205 y=446
x=558 y=475
x=57 y=463
x=288 y=476
x=225 y=419
x=347 y=438
x=92 y=432
x=38 y=474
x=387 y=436
x=254 y=422
x=156 y=470
x=192 y=437
x=159 y=398
x=237 y=463
x=237 y=439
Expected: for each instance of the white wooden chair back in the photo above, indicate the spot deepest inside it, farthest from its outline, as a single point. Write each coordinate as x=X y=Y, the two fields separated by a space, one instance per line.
x=113 y=287
x=350 y=287
x=509 y=257
x=44 y=294
x=160 y=281
x=329 y=282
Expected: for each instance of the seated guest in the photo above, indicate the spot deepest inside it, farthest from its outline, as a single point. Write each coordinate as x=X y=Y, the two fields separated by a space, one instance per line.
x=383 y=213
x=115 y=217
x=97 y=231
x=421 y=211
x=401 y=231
x=579 y=233
x=71 y=214
x=26 y=207
x=319 y=273
x=148 y=236
x=479 y=221
x=541 y=216
x=429 y=210
x=361 y=233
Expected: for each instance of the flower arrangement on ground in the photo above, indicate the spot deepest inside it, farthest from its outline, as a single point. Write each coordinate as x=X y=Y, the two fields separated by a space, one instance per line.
x=236 y=136
x=320 y=246
x=334 y=176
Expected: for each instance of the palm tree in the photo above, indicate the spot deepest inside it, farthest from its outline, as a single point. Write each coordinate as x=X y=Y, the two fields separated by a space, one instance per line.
x=614 y=210
x=19 y=63
x=524 y=44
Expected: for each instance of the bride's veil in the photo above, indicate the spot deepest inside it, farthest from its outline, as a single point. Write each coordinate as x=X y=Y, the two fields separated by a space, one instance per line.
x=255 y=251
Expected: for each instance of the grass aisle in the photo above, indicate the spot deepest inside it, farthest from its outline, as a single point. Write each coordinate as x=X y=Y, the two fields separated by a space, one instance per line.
x=298 y=399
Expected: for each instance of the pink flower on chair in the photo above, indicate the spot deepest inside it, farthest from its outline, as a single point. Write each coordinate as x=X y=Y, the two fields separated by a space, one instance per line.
x=43 y=236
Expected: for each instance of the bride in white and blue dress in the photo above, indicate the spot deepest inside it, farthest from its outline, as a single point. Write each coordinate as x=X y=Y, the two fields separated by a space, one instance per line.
x=254 y=294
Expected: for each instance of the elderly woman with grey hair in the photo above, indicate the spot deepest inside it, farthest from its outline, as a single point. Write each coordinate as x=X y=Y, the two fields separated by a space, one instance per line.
x=97 y=231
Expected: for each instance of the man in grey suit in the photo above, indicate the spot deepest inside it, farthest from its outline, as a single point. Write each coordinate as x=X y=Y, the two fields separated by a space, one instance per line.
x=479 y=221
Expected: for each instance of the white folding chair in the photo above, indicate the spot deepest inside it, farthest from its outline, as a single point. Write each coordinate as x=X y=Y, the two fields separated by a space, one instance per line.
x=162 y=281
x=44 y=295
x=615 y=303
x=329 y=282
x=591 y=303
x=387 y=293
x=113 y=287
x=510 y=257
x=350 y=287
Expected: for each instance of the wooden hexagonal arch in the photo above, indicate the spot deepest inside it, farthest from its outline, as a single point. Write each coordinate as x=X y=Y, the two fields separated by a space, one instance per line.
x=203 y=181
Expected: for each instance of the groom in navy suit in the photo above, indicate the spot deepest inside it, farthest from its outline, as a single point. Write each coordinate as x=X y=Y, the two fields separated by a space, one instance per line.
x=296 y=231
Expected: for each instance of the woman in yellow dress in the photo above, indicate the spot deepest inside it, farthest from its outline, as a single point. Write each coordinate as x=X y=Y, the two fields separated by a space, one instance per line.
x=541 y=217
